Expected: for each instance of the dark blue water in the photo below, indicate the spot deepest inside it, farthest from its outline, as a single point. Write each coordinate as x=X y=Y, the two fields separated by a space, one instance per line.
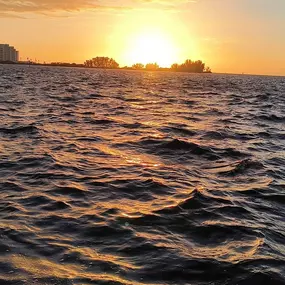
x=121 y=177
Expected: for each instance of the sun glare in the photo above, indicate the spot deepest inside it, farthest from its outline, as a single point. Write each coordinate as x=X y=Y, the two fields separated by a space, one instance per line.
x=151 y=47
x=152 y=37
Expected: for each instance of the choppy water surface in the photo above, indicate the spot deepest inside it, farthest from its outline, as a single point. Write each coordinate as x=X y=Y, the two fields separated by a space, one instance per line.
x=120 y=177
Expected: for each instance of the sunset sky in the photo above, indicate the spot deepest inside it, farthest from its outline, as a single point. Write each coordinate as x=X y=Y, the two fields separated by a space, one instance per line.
x=232 y=36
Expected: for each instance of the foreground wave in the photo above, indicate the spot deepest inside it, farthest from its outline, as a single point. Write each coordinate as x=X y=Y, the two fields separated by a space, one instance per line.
x=121 y=177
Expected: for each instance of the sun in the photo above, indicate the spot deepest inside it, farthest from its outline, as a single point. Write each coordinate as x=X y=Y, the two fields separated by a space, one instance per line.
x=153 y=47
x=151 y=36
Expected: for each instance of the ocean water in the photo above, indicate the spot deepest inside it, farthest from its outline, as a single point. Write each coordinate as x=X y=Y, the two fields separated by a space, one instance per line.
x=125 y=177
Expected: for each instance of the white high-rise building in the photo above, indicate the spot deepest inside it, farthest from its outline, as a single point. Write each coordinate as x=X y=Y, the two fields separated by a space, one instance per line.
x=8 y=53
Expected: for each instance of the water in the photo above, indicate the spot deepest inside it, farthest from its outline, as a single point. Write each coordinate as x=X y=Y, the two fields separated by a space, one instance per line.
x=121 y=177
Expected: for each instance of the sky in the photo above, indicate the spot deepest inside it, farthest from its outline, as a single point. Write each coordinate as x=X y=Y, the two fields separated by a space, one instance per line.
x=230 y=36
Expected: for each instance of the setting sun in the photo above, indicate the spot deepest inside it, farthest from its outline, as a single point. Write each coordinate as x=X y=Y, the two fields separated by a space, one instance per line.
x=151 y=37
x=153 y=47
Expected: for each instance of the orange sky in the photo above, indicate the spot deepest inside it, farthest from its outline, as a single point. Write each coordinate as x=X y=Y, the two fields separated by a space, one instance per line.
x=232 y=36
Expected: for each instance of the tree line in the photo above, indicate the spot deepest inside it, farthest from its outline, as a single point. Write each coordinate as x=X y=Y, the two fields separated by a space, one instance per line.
x=188 y=66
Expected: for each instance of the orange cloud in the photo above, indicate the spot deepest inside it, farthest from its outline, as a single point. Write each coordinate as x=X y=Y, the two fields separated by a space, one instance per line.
x=42 y=6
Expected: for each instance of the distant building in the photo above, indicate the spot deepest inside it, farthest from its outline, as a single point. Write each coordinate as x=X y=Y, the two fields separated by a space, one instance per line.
x=8 y=53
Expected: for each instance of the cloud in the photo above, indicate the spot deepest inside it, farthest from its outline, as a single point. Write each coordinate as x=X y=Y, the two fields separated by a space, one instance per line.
x=11 y=7
x=11 y=15
x=45 y=5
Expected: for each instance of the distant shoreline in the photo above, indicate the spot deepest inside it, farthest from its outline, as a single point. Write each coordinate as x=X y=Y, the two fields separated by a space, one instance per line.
x=131 y=69
x=84 y=66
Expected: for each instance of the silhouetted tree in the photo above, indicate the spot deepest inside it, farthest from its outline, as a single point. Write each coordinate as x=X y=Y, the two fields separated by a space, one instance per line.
x=152 y=66
x=138 y=66
x=88 y=63
x=102 y=62
x=208 y=70
x=190 y=66
x=174 y=66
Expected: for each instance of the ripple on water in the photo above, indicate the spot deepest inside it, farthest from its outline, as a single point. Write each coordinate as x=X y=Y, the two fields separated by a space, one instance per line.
x=121 y=177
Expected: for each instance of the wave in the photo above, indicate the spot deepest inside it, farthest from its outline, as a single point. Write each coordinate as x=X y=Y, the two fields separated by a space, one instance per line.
x=177 y=145
x=140 y=189
x=180 y=130
x=241 y=167
x=272 y=118
x=165 y=147
x=29 y=129
x=69 y=191
x=102 y=122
